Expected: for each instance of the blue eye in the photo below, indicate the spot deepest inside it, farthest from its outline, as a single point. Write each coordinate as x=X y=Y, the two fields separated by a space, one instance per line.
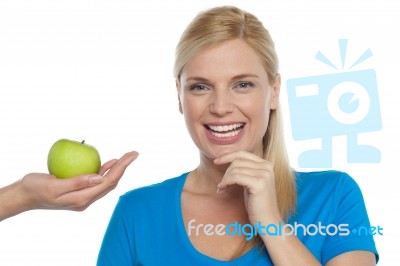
x=244 y=85
x=198 y=87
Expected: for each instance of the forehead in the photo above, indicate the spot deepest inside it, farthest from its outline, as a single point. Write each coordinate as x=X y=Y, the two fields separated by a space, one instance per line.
x=230 y=58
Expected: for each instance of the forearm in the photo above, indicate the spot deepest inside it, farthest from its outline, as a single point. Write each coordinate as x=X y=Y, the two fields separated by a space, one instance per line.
x=12 y=201
x=288 y=250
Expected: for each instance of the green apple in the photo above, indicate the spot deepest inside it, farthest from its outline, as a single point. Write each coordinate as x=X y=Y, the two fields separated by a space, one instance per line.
x=68 y=158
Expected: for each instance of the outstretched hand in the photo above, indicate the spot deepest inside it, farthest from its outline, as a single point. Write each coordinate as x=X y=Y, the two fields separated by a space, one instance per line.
x=45 y=191
x=76 y=193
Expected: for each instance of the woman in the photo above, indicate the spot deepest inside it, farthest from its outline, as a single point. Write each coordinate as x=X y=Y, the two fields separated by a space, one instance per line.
x=242 y=205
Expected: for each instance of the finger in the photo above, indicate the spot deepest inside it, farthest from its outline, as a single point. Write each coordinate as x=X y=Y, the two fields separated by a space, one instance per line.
x=126 y=157
x=105 y=167
x=230 y=157
x=241 y=179
x=250 y=164
x=248 y=178
x=63 y=186
x=249 y=171
x=80 y=199
x=119 y=167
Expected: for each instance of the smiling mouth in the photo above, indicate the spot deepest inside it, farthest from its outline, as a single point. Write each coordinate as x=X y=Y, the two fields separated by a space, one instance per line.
x=225 y=131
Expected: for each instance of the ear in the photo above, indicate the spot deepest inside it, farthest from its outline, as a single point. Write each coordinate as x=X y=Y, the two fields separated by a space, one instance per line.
x=178 y=90
x=276 y=89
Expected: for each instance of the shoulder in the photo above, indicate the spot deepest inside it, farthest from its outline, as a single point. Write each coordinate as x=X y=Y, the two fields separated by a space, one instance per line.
x=330 y=175
x=324 y=179
x=328 y=187
x=333 y=190
x=153 y=192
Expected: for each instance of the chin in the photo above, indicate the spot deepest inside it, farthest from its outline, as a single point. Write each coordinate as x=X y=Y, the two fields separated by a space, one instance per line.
x=223 y=151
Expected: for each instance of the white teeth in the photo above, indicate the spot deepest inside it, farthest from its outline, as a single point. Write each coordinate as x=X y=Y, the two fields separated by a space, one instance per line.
x=225 y=128
x=226 y=135
x=226 y=131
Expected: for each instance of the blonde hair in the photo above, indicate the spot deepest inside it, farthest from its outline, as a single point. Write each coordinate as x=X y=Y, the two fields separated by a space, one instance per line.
x=220 y=24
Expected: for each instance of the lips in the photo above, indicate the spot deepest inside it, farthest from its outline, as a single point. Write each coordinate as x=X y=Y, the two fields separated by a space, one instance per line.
x=225 y=130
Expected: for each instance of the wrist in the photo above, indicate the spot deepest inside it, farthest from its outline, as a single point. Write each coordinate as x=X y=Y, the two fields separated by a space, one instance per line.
x=268 y=218
x=12 y=200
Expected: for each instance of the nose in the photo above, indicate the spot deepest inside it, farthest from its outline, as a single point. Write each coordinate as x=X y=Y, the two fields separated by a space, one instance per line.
x=221 y=103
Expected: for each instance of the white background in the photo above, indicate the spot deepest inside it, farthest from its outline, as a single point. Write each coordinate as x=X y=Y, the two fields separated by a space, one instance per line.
x=102 y=71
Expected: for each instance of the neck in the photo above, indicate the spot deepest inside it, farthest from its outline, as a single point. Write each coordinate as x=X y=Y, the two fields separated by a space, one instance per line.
x=208 y=175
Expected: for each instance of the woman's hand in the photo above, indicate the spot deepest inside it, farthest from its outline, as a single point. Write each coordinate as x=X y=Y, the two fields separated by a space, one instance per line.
x=44 y=191
x=256 y=176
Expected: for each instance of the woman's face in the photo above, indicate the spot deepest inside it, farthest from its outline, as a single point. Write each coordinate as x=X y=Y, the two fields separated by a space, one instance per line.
x=226 y=97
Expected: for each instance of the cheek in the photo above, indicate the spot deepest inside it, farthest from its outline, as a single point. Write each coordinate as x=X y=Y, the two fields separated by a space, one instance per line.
x=262 y=117
x=191 y=111
x=259 y=112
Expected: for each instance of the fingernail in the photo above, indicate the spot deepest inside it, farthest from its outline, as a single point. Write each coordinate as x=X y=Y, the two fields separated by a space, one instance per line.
x=220 y=189
x=134 y=154
x=95 y=179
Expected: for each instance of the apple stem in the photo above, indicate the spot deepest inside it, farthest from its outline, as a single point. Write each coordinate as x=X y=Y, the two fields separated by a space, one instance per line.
x=83 y=142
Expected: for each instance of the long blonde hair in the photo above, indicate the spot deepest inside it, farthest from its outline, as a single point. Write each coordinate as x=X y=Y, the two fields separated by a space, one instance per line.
x=220 y=24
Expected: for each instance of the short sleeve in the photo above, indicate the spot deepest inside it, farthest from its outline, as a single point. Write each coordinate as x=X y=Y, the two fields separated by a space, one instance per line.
x=352 y=218
x=116 y=248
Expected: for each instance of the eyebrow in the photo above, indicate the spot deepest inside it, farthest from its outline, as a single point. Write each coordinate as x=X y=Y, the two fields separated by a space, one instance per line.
x=241 y=76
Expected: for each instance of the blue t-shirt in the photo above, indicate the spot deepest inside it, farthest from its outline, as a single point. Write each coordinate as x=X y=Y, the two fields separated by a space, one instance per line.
x=147 y=227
